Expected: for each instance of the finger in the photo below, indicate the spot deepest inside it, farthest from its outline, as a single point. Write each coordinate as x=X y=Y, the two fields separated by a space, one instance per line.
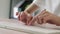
x=20 y=13
x=44 y=20
x=29 y=19
x=45 y=15
x=19 y=18
x=39 y=20
x=32 y=21
x=17 y=13
x=43 y=12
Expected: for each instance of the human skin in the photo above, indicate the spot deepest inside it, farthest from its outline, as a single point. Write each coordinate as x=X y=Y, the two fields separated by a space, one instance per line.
x=46 y=17
x=25 y=16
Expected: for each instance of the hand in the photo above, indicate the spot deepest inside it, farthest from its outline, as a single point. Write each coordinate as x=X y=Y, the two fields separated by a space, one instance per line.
x=44 y=17
x=24 y=17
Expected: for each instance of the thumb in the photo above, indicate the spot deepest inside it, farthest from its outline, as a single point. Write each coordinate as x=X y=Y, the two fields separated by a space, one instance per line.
x=32 y=21
x=29 y=18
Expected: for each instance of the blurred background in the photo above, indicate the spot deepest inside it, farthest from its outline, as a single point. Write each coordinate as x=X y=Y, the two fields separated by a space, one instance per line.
x=4 y=8
x=18 y=6
x=8 y=8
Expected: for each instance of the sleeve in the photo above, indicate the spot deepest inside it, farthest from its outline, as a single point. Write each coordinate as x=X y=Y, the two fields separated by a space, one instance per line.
x=39 y=2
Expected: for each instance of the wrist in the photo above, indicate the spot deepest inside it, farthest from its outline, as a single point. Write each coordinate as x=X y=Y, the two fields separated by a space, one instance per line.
x=56 y=20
